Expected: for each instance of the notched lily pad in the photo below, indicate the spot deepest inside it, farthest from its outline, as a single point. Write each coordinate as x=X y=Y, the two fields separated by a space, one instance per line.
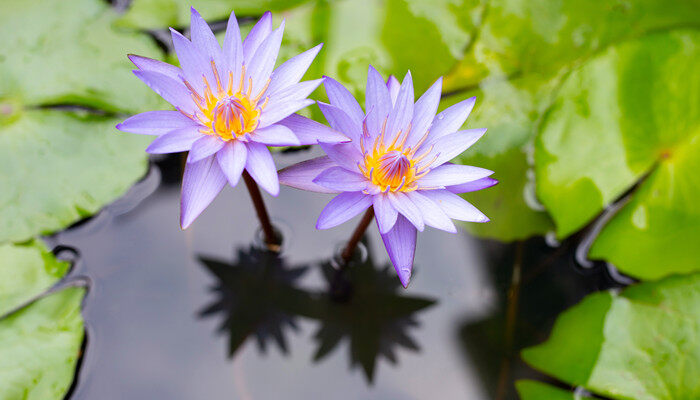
x=643 y=343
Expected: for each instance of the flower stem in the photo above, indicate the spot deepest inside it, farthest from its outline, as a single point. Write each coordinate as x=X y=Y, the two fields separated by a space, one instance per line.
x=271 y=240
x=347 y=253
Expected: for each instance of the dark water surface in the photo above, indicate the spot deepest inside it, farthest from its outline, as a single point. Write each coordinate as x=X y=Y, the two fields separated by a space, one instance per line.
x=198 y=314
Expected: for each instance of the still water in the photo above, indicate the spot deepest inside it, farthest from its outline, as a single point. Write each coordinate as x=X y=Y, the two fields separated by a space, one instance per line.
x=202 y=314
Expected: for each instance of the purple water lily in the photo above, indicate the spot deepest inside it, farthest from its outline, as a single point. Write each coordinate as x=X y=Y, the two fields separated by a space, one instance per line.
x=231 y=104
x=397 y=163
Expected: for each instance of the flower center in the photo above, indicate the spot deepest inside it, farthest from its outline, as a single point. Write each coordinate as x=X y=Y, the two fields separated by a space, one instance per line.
x=392 y=167
x=225 y=112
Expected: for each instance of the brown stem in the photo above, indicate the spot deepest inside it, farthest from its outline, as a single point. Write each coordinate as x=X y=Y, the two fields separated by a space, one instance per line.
x=346 y=255
x=271 y=239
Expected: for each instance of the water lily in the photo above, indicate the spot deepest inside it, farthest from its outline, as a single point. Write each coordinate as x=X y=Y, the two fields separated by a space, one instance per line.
x=396 y=164
x=231 y=103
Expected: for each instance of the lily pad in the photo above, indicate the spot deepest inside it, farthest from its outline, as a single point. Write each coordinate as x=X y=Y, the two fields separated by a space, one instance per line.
x=522 y=53
x=533 y=390
x=57 y=167
x=631 y=114
x=40 y=346
x=26 y=270
x=642 y=343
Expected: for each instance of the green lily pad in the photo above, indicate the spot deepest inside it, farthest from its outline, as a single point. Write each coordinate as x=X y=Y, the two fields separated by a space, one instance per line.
x=642 y=343
x=57 y=167
x=533 y=390
x=67 y=52
x=627 y=115
x=522 y=53
x=40 y=346
x=26 y=270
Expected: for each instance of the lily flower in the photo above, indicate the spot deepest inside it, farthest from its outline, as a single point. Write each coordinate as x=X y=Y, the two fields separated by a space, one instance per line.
x=231 y=103
x=396 y=163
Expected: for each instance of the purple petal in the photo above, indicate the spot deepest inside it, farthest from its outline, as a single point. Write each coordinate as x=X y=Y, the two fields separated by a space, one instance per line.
x=452 y=119
x=377 y=102
x=452 y=145
x=405 y=207
x=204 y=40
x=256 y=36
x=342 y=180
x=201 y=183
x=233 y=48
x=285 y=102
x=341 y=122
x=311 y=132
x=400 y=116
x=400 y=243
x=345 y=155
x=301 y=175
x=232 y=160
x=433 y=215
x=454 y=206
x=342 y=208
x=261 y=167
x=341 y=98
x=473 y=186
x=175 y=141
x=156 y=122
x=276 y=135
x=393 y=85
x=204 y=147
x=292 y=70
x=261 y=65
x=193 y=62
x=452 y=174
x=149 y=64
x=172 y=91
x=384 y=213
x=424 y=113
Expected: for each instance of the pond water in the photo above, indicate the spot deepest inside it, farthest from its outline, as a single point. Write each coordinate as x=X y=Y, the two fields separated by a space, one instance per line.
x=198 y=314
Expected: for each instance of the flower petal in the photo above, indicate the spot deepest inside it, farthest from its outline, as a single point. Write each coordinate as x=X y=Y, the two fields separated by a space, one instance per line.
x=204 y=147
x=172 y=91
x=276 y=135
x=345 y=155
x=281 y=111
x=341 y=98
x=400 y=116
x=149 y=64
x=233 y=47
x=204 y=40
x=301 y=175
x=451 y=119
x=400 y=243
x=156 y=122
x=261 y=167
x=473 y=186
x=292 y=70
x=405 y=207
x=342 y=208
x=377 y=102
x=455 y=207
x=432 y=214
x=340 y=179
x=175 y=141
x=201 y=183
x=309 y=131
x=261 y=65
x=285 y=102
x=232 y=159
x=424 y=113
x=341 y=121
x=194 y=64
x=452 y=174
x=384 y=213
x=454 y=144
x=393 y=85
x=256 y=36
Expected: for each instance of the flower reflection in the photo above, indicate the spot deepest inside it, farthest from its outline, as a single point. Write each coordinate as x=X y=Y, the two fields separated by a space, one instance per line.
x=259 y=295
